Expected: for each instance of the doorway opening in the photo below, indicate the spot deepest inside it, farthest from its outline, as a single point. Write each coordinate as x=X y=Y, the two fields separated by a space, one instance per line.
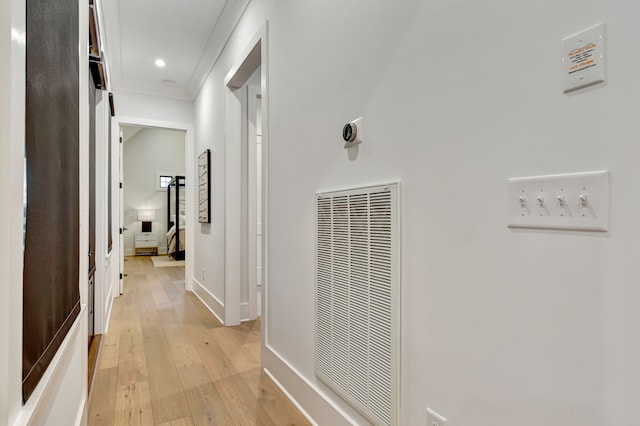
x=153 y=197
x=152 y=153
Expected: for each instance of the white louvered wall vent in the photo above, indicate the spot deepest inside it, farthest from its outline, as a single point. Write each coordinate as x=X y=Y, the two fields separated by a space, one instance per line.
x=358 y=298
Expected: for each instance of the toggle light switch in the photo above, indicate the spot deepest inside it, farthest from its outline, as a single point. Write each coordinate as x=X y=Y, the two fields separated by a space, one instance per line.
x=435 y=419
x=523 y=201
x=583 y=200
x=575 y=201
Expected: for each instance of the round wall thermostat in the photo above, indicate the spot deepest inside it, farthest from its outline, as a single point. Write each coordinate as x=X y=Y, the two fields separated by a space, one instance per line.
x=350 y=132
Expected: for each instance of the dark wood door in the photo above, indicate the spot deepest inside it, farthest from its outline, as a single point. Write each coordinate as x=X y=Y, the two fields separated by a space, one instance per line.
x=51 y=297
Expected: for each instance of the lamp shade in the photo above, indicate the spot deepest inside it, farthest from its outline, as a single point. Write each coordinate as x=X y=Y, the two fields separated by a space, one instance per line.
x=146 y=215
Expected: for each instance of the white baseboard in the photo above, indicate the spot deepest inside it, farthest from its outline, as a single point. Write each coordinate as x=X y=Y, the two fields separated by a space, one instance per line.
x=209 y=300
x=108 y=309
x=319 y=408
x=291 y=398
x=82 y=419
x=244 y=311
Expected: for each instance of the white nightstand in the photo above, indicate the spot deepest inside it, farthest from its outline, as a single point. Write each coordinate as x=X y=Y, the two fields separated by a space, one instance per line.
x=146 y=244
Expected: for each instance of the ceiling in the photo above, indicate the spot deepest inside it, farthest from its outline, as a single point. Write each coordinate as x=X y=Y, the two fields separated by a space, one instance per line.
x=187 y=34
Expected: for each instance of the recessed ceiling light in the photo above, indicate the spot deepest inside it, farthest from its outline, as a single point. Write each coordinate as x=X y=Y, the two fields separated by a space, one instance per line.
x=160 y=63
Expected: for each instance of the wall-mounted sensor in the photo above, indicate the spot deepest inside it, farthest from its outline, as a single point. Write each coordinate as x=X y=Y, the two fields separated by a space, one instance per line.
x=353 y=132
x=349 y=132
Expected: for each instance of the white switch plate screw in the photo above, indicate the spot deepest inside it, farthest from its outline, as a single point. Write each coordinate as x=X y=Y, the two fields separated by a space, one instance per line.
x=435 y=419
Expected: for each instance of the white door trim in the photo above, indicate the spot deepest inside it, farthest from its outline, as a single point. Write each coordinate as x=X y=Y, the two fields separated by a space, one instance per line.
x=252 y=201
x=190 y=165
x=233 y=269
x=120 y=154
x=255 y=55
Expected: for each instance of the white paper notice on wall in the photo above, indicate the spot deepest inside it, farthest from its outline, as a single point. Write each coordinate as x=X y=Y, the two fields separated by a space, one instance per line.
x=584 y=59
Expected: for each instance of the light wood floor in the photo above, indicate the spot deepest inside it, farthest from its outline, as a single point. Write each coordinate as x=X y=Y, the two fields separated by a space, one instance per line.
x=167 y=361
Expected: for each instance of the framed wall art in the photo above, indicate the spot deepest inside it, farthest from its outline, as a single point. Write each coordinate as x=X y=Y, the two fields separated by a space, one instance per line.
x=204 y=184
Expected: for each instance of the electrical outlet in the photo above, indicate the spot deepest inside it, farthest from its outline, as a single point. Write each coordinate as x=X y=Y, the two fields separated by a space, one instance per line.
x=435 y=419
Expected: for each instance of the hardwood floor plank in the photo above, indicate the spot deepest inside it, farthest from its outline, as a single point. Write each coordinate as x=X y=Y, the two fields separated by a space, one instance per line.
x=183 y=351
x=167 y=398
x=109 y=351
x=253 y=348
x=252 y=380
x=131 y=339
x=103 y=400
x=168 y=361
x=174 y=293
x=160 y=297
x=216 y=362
x=241 y=403
x=187 y=421
x=133 y=405
x=207 y=407
x=203 y=398
x=132 y=368
x=230 y=341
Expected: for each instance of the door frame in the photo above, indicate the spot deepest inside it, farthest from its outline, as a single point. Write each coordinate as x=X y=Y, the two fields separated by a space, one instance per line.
x=253 y=95
x=190 y=166
x=255 y=54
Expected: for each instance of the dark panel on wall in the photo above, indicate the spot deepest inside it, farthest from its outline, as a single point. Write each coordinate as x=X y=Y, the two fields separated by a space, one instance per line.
x=51 y=299
x=94 y=98
x=109 y=189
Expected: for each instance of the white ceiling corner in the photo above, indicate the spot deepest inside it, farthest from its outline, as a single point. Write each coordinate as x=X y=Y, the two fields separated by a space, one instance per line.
x=188 y=34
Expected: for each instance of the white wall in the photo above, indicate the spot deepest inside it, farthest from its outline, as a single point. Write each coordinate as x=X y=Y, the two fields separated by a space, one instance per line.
x=209 y=239
x=500 y=327
x=148 y=152
x=152 y=107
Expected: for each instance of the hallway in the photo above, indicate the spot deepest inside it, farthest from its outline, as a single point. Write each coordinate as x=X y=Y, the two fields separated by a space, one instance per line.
x=167 y=361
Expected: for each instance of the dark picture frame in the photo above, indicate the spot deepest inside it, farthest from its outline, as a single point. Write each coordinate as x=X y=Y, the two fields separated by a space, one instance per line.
x=204 y=187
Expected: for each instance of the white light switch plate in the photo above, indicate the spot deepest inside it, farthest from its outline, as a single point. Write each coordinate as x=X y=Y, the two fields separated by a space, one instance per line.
x=576 y=201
